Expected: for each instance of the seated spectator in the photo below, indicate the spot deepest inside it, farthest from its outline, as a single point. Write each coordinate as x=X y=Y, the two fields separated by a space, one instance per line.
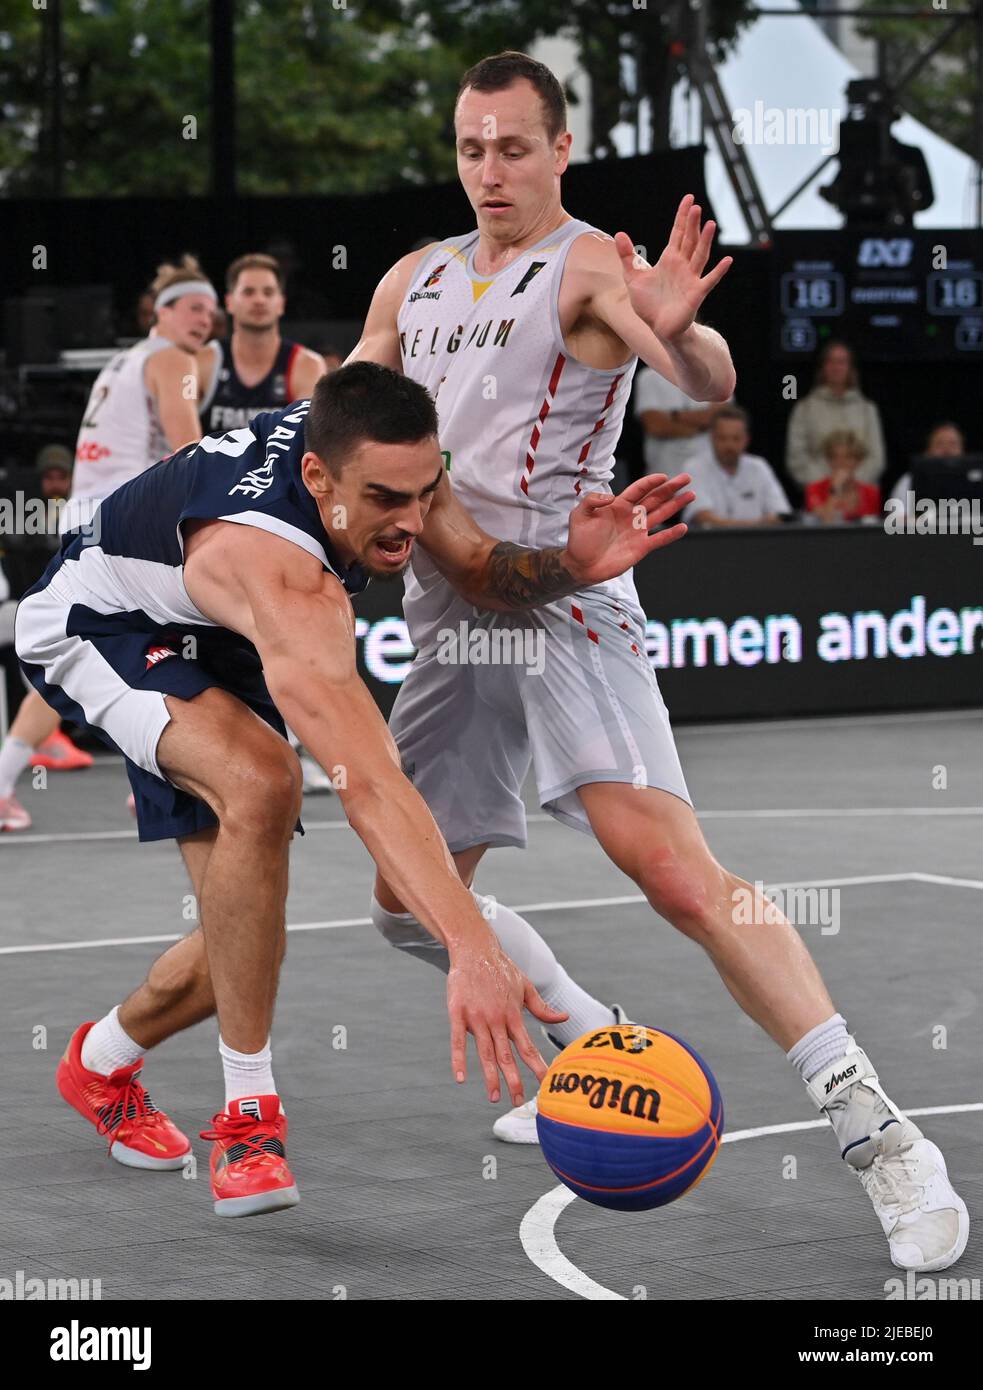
x=733 y=488
x=835 y=403
x=945 y=441
x=675 y=426
x=840 y=496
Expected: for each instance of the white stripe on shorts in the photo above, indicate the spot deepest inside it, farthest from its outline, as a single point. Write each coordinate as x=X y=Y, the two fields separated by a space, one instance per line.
x=133 y=719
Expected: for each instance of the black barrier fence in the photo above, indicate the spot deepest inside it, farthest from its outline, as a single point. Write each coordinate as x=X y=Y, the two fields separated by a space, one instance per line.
x=780 y=622
x=790 y=621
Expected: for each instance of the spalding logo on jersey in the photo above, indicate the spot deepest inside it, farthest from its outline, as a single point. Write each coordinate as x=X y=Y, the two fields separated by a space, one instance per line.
x=427 y=292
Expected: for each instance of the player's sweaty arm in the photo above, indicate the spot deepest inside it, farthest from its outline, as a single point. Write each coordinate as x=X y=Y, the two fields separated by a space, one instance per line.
x=607 y=536
x=380 y=336
x=301 y=622
x=172 y=378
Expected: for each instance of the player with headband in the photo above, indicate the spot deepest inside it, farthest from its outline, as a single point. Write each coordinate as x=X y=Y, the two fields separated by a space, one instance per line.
x=140 y=408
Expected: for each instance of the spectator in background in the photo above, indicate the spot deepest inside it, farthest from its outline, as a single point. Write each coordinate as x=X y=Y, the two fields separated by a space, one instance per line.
x=675 y=426
x=145 y=317
x=945 y=441
x=841 y=496
x=835 y=403
x=733 y=488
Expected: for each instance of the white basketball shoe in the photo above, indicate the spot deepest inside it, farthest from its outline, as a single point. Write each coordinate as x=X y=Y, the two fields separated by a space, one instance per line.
x=518 y=1126
x=903 y=1173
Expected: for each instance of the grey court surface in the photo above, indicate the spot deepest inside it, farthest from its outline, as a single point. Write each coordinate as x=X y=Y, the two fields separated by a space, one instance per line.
x=405 y=1194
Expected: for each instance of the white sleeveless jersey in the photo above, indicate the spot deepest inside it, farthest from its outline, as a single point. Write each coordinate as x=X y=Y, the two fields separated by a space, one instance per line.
x=527 y=428
x=121 y=433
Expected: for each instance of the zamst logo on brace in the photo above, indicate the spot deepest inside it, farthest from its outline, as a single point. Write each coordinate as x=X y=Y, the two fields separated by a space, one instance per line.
x=641 y=1101
x=838 y=1077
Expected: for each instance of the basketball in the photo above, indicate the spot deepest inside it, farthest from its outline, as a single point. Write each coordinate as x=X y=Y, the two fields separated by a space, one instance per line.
x=629 y=1117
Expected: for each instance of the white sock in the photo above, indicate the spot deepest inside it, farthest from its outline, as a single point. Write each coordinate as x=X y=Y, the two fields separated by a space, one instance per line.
x=820 y=1048
x=536 y=960
x=108 y=1046
x=247 y=1073
x=14 y=757
x=526 y=948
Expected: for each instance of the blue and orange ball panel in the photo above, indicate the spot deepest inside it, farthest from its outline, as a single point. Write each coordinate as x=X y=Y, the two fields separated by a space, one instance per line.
x=629 y=1117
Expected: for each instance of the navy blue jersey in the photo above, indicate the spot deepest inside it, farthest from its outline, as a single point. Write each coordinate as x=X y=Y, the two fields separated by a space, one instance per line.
x=231 y=404
x=131 y=556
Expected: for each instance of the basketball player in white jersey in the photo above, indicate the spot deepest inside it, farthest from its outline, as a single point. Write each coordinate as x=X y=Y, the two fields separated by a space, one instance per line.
x=527 y=331
x=142 y=406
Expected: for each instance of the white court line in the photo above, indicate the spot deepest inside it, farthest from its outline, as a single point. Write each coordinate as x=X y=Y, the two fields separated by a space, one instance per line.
x=567 y=905
x=537 y=1229
x=831 y=721
x=15 y=840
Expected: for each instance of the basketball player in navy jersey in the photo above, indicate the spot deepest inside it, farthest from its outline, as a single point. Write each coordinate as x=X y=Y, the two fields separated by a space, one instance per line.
x=556 y=314
x=256 y=369
x=210 y=602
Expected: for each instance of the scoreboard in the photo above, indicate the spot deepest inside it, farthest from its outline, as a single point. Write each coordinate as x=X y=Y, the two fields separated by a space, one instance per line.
x=891 y=294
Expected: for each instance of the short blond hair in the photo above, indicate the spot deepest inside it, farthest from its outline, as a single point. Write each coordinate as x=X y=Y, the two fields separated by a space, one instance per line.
x=168 y=274
x=845 y=439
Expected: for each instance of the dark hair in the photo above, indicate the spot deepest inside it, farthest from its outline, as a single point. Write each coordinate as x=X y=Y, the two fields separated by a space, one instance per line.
x=947 y=425
x=496 y=73
x=734 y=412
x=366 y=401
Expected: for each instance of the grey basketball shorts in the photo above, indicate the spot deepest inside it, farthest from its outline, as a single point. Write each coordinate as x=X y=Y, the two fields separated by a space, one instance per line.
x=567 y=688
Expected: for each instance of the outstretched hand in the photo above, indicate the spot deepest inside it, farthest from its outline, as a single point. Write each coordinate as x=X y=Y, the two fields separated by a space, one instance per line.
x=486 y=993
x=609 y=534
x=667 y=296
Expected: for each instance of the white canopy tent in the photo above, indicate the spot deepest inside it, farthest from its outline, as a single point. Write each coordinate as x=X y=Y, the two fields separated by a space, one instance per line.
x=788 y=64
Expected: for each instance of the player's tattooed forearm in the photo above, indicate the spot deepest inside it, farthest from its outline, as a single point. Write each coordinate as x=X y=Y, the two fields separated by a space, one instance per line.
x=526 y=578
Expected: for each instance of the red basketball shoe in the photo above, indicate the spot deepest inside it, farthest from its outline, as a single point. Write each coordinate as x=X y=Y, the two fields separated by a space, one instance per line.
x=249 y=1162
x=60 y=754
x=140 y=1135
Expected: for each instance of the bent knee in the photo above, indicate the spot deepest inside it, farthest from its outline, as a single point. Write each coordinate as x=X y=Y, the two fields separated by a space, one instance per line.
x=263 y=792
x=696 y=897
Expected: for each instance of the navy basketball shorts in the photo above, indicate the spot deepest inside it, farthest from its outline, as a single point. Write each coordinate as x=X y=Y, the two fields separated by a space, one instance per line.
x=111 y=671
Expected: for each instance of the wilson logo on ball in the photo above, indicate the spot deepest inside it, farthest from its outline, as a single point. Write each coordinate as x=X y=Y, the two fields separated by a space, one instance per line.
x=604 y=1090
x=629 y=1117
